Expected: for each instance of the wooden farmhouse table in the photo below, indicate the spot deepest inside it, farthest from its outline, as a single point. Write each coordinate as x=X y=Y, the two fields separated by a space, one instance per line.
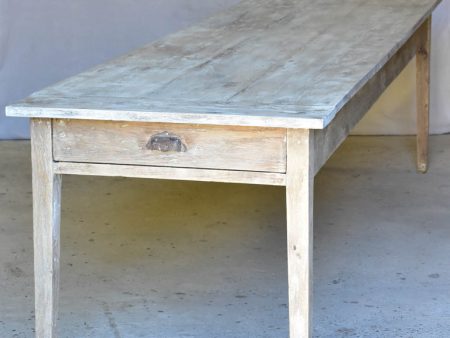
x=262 y=93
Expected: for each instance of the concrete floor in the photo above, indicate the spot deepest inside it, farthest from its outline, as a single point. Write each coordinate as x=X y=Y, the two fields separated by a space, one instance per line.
x=149 y=258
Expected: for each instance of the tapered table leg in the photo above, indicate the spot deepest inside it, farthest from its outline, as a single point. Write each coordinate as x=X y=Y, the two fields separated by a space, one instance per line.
x=423 y=95
x=299 y=205
x=46 y=224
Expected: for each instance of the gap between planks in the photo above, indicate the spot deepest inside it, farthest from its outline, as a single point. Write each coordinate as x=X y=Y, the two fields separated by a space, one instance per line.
x=183 y=174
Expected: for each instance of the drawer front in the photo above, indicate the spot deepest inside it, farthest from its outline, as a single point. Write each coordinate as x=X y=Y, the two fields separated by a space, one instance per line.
x=170 y=145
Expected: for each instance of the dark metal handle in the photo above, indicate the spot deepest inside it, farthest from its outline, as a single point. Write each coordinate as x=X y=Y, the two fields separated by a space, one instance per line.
x=166 y=142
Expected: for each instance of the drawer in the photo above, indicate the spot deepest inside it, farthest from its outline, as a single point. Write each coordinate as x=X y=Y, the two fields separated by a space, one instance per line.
x=170 y=145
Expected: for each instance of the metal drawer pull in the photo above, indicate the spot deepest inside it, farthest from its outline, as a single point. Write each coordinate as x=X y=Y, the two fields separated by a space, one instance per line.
x=166 y=142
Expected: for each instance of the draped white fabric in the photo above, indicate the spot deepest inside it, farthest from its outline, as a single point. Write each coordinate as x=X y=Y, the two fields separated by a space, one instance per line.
x=43 y=41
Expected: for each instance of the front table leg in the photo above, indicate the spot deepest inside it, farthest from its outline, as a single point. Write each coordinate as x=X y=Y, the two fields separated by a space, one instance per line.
x=299 y=205
x=46 y=220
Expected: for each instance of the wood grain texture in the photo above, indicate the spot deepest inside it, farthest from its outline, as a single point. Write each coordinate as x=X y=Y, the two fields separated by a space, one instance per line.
x=168 y=173
x=328 y=140
x=46 y=228
x=275 y=63
x=423 y=94
x=299 y=208
x=207 y=147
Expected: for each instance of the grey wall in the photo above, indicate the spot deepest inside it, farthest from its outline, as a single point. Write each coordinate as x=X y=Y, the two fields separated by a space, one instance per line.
x=43 y=41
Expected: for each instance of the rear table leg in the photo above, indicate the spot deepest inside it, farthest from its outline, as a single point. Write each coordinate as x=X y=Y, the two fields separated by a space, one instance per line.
x=423 y=95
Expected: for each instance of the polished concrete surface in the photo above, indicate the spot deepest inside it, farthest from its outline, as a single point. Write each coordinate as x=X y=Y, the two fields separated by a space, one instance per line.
x=166 y=259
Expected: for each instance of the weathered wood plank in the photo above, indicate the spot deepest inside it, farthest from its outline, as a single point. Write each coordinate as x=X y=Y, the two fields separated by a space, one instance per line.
x=329 y=139
x=46 y=224
x=207 y=147
x=423 y=94
x=299 y=207
x=168 y=173
x=290 y=64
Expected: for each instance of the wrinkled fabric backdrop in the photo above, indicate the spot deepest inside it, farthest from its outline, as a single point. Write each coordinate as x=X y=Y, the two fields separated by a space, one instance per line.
x=44 y=41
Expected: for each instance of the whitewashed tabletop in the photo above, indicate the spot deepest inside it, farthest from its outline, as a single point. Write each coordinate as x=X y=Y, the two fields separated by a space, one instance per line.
x=275 y=63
